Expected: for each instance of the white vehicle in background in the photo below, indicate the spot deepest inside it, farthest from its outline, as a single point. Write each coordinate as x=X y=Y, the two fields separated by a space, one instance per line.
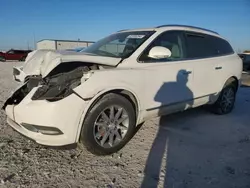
x=99 y=96
x=79 y=49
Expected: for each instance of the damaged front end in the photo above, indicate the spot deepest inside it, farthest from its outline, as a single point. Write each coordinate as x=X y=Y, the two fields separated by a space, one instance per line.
x=58 y=84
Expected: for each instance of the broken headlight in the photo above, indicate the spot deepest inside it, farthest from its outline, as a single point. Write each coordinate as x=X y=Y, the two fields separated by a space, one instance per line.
x=61 y=85
x=54 y=92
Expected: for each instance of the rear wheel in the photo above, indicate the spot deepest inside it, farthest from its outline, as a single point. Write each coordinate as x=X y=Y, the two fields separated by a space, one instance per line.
x=22 y=59
x=225 y=102
x=109 y=125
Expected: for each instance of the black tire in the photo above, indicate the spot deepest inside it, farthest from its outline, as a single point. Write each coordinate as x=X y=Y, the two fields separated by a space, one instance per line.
x=87 y=136
x=219 y=106
x=2 y=59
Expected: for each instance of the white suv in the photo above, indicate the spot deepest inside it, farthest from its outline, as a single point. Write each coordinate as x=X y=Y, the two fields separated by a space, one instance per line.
x=100 y=95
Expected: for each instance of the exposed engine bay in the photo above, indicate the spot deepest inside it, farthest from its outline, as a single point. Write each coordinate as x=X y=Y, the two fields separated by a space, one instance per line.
x=58 y=84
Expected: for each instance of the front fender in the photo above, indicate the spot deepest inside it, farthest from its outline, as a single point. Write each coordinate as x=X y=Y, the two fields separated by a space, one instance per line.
x=96 y=96
x=100 y=83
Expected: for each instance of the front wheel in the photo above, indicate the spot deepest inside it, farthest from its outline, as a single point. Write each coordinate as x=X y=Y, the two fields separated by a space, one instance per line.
x=225 y=102
x=109 y=125
x=2 y=59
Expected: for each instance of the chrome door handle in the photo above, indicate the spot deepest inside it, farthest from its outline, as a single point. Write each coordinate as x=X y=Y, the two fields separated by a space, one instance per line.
x=218 y=68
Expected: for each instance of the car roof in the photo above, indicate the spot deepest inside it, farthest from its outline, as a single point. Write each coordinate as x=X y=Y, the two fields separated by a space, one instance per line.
x=176 y=27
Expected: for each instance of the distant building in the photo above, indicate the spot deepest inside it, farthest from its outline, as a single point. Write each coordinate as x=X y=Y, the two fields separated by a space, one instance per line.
x=61 y=44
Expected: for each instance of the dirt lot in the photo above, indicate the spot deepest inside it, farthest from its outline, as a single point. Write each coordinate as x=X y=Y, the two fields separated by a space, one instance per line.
x=194 y=149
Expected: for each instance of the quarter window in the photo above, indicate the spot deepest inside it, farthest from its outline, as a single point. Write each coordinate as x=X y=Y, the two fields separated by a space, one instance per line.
x=199 y=47
x=222 y=47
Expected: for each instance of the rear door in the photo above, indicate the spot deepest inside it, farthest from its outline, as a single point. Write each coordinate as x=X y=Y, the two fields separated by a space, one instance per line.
x=208 y=66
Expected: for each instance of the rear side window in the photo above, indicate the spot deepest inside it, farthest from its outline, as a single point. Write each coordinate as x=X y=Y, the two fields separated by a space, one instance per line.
x=205 y=46
x=198 y=47
x=17 y=52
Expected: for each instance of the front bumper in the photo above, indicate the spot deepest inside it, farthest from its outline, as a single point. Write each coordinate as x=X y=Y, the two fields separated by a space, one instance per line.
x=63 y=115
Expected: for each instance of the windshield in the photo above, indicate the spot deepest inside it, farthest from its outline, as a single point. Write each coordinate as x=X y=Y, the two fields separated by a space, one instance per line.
x=120 y=45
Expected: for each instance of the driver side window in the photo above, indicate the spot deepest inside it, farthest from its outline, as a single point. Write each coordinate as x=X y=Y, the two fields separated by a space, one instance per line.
x=173 y=40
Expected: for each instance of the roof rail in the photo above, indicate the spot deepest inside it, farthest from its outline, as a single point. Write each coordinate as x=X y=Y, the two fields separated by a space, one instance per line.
x=122 y=30
x=193 y=27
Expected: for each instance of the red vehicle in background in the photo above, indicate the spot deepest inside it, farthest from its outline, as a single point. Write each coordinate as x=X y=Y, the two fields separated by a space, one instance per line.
x=19 y=55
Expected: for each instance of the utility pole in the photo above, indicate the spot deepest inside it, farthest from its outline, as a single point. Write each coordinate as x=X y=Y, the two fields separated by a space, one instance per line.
x=34 y=39
x=78 y=42
x=28 y=45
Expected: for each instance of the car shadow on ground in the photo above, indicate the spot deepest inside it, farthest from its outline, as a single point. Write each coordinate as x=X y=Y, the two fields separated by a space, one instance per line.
x=198 y=149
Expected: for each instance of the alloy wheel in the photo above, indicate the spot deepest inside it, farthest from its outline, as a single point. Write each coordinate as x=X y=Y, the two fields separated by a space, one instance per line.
x=111 y=126
x=228 y=98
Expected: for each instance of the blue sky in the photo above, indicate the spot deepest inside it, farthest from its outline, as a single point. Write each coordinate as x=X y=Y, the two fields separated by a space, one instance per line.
x=23 y=20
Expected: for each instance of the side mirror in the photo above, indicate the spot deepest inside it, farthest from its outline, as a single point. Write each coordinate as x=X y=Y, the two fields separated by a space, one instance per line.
x=159 y=52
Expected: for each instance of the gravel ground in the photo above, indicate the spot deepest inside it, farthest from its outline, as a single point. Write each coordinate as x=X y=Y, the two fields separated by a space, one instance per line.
x=189 y=150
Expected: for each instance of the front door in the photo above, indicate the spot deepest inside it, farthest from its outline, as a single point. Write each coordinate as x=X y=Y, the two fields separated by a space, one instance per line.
x=168 y=82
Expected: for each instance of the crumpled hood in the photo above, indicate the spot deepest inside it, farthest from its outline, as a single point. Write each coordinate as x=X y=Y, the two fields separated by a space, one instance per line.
x=42 y=62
